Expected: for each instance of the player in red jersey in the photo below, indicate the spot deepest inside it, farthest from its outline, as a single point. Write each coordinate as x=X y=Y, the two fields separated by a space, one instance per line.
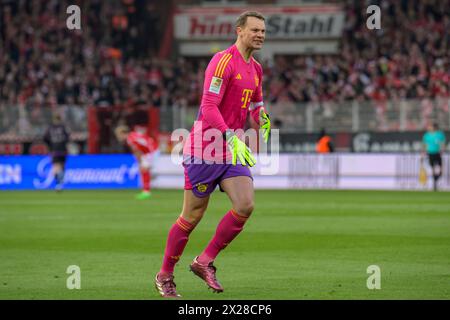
x=232 y=89
x=145 y=149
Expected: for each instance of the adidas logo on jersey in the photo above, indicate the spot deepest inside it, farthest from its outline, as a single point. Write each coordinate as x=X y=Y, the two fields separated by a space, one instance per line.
x=238 y=77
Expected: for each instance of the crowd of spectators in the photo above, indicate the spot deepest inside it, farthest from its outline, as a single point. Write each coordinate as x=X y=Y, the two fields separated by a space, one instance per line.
x=113 y=59
x=408 y=58
x=43 y=61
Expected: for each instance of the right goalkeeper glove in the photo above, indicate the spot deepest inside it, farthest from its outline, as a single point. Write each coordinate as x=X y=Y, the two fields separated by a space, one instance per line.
x=239 y=150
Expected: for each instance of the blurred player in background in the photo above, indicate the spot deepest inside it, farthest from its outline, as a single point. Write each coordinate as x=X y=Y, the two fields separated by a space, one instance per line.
x=145 y=150
x=57 y=137
x=232 y=89
x=434 y=144
x=324 y=144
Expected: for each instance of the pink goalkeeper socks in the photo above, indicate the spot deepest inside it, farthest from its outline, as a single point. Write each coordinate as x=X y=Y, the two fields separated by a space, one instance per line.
x=229 y=227
x=176 y=242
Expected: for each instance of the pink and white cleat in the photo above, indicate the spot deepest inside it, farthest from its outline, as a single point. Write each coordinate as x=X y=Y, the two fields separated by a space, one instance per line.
x=165 y=286
x=207 y=273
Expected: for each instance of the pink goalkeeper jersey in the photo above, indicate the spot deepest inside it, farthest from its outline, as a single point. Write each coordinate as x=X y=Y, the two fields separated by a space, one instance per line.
x=232 y=89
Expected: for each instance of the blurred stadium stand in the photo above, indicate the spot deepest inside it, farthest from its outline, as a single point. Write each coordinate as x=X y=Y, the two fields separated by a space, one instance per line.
x=129 y=64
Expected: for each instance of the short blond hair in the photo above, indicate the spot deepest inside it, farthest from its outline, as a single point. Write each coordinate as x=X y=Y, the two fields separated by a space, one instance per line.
x=242 y=19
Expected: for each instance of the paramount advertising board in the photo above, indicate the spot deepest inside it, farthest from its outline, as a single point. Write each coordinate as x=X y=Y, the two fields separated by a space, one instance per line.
x=82 y=172
x=284 y=171
x=195 y=26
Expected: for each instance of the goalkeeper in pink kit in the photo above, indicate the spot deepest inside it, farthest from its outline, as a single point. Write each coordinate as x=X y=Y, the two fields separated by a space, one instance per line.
x=232 y=90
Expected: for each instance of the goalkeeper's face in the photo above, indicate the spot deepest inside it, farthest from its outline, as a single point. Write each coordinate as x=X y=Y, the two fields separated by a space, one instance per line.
x=253 y=33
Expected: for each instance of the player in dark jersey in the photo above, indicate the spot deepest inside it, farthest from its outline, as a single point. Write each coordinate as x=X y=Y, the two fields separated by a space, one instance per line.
x=57 y=137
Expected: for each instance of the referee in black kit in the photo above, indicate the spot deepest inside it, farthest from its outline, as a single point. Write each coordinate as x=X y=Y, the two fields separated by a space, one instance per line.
x=57 y=137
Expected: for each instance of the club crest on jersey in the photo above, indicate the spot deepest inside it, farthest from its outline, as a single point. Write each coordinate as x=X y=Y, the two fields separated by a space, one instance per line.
x=202 y=187
x=216 y=84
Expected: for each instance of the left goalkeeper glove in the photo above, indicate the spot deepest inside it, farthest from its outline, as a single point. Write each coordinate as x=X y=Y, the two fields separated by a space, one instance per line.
x=264 y=121
x=239 y=150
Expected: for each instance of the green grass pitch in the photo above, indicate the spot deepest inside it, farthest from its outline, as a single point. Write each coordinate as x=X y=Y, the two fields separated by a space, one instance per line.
x=297 y=245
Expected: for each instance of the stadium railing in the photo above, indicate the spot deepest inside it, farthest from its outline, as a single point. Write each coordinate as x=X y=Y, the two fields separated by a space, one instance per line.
x=343 y=116
x=23 y=122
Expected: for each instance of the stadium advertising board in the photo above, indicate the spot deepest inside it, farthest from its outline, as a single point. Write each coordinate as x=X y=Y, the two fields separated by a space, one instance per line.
x=390 y=141
x=367 y=171
x=205 y=30
x=361 y=142
x=312 y=22
x=395 y=171
x=82 y=172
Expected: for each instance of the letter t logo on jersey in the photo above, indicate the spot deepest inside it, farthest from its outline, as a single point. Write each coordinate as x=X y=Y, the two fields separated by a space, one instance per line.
x=246 y=95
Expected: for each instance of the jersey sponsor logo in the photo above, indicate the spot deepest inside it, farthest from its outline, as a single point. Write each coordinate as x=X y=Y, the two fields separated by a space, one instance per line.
x=216 y=84
x=246 y=96
x=202 y=187
x=238 y=77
